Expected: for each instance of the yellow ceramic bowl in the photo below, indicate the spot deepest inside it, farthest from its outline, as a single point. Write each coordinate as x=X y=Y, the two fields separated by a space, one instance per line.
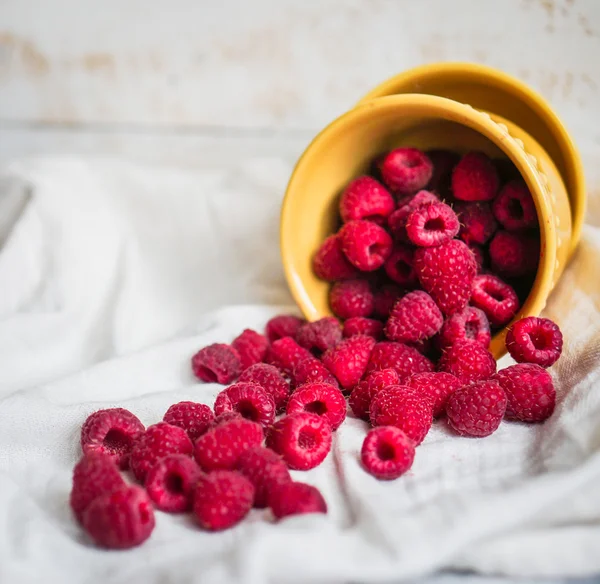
x=344 y=150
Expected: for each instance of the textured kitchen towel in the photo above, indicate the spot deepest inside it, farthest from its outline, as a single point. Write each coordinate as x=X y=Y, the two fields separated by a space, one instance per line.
x=114 y=274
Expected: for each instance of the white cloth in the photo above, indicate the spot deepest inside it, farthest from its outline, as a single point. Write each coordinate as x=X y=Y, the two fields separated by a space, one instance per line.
x=113 y=275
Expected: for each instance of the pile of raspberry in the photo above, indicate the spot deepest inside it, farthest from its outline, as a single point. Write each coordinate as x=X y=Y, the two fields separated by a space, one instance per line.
x=402 y=355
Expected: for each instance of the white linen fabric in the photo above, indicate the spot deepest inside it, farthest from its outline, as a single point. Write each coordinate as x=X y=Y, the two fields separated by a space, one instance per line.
x=113 y=275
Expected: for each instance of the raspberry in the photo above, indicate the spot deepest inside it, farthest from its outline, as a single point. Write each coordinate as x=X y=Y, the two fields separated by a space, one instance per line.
x=514 y=207
x=443 y=162
x=312 y=370
x=284 y=325
x=435 y=387
x=330 y=263
x=112 y=431
x=365 y=244
x=405 y=360
x=222 y=499
x=397 y=220
x=94 y=475
x=296 y=499
x=365 y=198
x=529 y=392
x=479 y=257
x=514 y=254
x=363 y=326
x=320 y=335
x=351 y=298
x=192 y=417
x=404 y=408
x=121 y=519
x=349 y=359
x=475 y=178
x=363 y=393
x=302 y=439
x=495 y=297
x=387 y=452
x=477 y=223
x=468 y=360
x=406 y=170
x=432 y=225
x=266 y=470
x=400 y=266
x=476 y=409
x=222 y=445
x=155 y=443
x=446 y=272
x=251 y=401
x=286 y=353
x=251 y=347
x=217 y=363
x=321 y=399
x=270 y=379
x=535 y=340
x=469 y=324
x=384 y=300
x=414 y=318
x=171 y=481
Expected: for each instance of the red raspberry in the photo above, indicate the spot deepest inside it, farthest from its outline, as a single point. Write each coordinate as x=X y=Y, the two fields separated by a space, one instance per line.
x=270 y=379
x=404 y=408
x=302 y=439
x=217 y=363
x=406 y=170
x=475 y=178
x=222 y=446
x=266 y=470
x=112 y=431
x=468 y=360
x=349 y=359
x=495 y=297
x=321 y=399
x=330 y=263
x=365 y=198
x=286 y=353
x=94 y=475
x=222 y=499
x=320 y=335
x=363 y=326
x=535 y=340
x=384 y=300
x=477 y=223
x=284 y=325
x=296 y=498
x=155 y=443
x=363 y=393
x=351 y=298
x=476 y=409
x=432 y=224
x=405 y=360
x=514 y=206
x=514 y=254
x=365 y=244
x=406 y=205
x=192 y=417
x=529 y=392
x=251 y=401
x=414 y=318
x=479 y=257
x=387 y=452
x=171 y=481
x=443 y=162
x=251 y=347
x=312 y=370
x=435 y=387
x=121 y=519
x=447 y=272
x=469 y=324
x=400 y=266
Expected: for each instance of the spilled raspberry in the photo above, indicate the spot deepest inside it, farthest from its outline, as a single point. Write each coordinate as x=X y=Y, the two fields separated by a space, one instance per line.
x=217 y=363
x=321 y=399
x=535 y=340
x=387 y=452
x=251 y=401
